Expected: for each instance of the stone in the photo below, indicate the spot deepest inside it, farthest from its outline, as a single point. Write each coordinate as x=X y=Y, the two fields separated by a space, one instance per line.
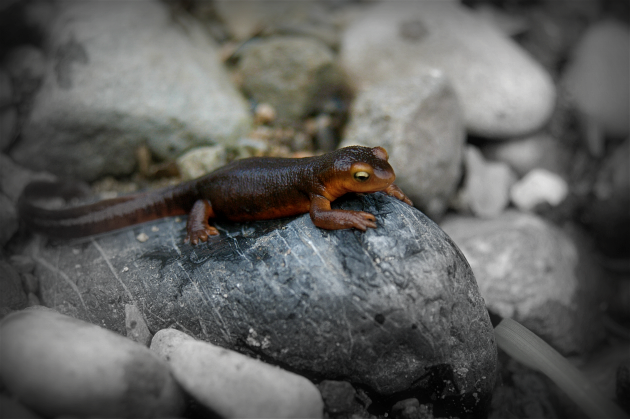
x=30 y=283
x=109 y=90
x=165 y=341
x=8 y=112
x=8 y=219
x=295 y=75
x=411 y=409
x=503 y=91
x=22 y=264
x=418 y=121
x=12 y=294
x=538 y=151
x=200 y=161
x=13 y=177
x=538 y=187
x=622 y=390
x=339 y=397
x=385 y=309
x=236 y=386
x=137 y=329
x=26 y=62
x=525 y=393
x=486 y=186
x=607 y=215
x=245 y=20
x=531 y=271
x=596 y=76
x=14 y=410
x=60 y=366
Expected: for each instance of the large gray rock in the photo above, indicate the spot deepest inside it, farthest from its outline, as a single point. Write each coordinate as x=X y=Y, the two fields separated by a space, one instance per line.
x=534 y=273
x=503 y=91
x=419 y=122
x=394 y=308
x=124 y=73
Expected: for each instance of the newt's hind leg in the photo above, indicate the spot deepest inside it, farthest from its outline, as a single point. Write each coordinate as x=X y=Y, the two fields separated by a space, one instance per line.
x=197 y=226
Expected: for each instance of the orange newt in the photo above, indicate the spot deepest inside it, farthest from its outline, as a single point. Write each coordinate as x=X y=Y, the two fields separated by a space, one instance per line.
x=258 y=188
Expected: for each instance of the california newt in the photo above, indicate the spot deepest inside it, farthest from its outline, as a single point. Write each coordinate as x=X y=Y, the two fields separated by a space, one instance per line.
x=258 y=188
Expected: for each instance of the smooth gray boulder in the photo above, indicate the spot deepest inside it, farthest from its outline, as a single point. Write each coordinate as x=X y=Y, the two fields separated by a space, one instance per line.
x=396 y=308
x=504 y=92
x=124 y=74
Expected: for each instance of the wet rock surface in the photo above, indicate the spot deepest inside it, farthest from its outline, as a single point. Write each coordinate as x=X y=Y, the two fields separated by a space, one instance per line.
x=394 y=308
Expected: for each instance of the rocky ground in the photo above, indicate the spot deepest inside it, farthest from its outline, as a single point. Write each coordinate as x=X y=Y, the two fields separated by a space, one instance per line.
x=507 y=123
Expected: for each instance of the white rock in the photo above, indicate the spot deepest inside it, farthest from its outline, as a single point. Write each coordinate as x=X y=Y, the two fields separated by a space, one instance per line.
x=538 y=187
x=200 y=161
x=597 y=76
x=165 y=341
x=487 y=184
x=503 y=91
x=60 y=366
x=115 y=84
x=418 y=121
x=236 y=386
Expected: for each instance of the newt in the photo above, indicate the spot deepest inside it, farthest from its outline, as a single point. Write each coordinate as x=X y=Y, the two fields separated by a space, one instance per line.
x=257 y=188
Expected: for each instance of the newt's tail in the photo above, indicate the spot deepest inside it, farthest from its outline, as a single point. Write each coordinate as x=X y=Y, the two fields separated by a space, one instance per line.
x=99 y=217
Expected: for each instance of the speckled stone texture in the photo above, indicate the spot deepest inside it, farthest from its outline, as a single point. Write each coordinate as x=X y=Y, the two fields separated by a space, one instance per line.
x=396 y=308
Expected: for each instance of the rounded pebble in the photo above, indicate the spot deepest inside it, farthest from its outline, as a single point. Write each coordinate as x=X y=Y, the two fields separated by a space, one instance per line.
x=236 y=386
x=165 y=341
x=60 y=366
x=539 y=186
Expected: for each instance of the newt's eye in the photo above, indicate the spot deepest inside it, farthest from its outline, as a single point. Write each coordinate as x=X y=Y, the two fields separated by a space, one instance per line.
x=361 y=176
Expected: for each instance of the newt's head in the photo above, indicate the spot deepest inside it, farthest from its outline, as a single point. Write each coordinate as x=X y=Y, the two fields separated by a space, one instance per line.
x=361 y=169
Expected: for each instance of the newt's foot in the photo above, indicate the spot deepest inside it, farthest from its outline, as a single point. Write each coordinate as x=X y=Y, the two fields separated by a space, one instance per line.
x=360 y=220
x=396 y=192
x=200 y=234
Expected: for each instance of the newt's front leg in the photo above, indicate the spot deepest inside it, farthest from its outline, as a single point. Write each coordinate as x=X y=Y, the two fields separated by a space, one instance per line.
x=325 y=217
x=197 y=226
x=396 y=192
